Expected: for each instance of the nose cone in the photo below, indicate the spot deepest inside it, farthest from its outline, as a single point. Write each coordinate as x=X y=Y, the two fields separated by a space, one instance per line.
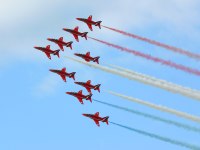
x=68 y=92
x=35 y=47
x=49 y=39
x=79 y=83
x=51 y=70
x=76 y=54
x=78 y=18
x=65 y=29
x=84 y=115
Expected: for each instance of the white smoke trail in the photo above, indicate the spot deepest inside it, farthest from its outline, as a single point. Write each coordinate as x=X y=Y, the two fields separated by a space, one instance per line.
x=159 y=107
x=194 y=94
x=155 y=79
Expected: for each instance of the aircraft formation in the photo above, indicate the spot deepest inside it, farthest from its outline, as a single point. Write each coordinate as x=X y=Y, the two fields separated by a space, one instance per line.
x=91 y=87
x=87 y=57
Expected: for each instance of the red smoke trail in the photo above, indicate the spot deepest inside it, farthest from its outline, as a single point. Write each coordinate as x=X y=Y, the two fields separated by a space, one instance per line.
x=174 y=49
x=149 y=57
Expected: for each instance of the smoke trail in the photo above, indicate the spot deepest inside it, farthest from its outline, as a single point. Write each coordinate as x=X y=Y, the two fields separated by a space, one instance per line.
x=180 y=125
x=168 y=47
x=159 y=107
x=162 y=138
x=149 y=57
x=153 y=79
x=137 y=76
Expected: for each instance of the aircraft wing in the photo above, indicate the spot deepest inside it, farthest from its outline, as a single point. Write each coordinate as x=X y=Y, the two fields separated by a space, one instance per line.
x=48 y=47
x=88 y=89
x=80 y=100
x=61 y=47
x=90 y=18
x=86 y=56
x=89 y=26
x=86 y=59
x=76 y=29
x=76 y=37
x=97 y=122
x=48 y=55
x=88 y=82
x=97 y=114
x=63 y=77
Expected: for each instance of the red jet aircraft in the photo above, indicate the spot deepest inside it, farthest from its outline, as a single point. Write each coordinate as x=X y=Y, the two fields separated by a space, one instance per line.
x=88 y=85
x=61 y=43
x=96 y=118
x=89 y=22
x=80 y=96
x=76 y=33
x=88 y=58
x=63 y=73
x=48 y=51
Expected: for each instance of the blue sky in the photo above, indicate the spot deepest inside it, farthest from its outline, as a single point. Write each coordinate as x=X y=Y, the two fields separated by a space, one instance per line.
x=36 y=113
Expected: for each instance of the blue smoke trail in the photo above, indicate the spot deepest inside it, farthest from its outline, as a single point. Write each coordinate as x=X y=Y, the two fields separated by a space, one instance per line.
x=177 y=124
x=165 y=139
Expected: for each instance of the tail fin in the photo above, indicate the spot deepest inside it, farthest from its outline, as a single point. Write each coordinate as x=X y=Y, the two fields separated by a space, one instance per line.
x=98 y=23
x=89 y=98
x=72 y=75
x=96 y=59
x=105 y=119
x=56 y=52
x=70 y=45
x=97 y=87
x=84 y=35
